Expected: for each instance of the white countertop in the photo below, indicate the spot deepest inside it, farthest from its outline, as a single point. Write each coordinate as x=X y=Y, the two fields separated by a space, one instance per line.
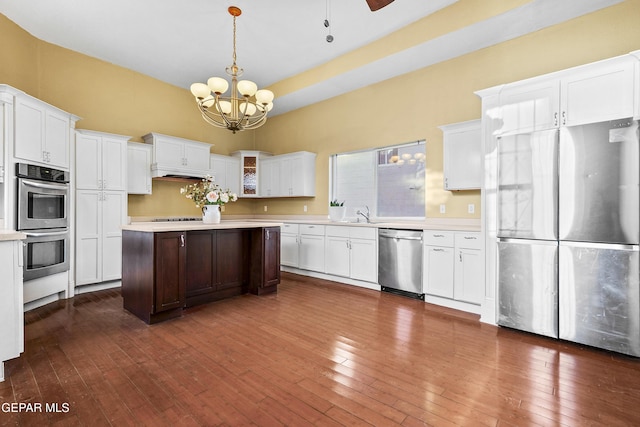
x=6 y=235
x=406 y=225
x=153 y=227
x=451 y=224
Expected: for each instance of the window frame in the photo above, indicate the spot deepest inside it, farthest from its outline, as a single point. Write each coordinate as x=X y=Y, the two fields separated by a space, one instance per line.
x=333 y=190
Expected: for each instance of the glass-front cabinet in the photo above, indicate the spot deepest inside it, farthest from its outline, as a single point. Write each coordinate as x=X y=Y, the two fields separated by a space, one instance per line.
x=249 y=171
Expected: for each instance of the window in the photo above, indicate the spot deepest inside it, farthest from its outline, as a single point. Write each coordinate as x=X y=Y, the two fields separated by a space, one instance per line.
x=389 y=181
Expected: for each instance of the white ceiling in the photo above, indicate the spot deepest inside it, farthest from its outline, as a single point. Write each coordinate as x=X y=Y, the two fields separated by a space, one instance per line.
x=181 y=42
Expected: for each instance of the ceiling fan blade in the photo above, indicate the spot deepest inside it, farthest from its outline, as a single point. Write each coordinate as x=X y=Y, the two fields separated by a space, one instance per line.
x=378 y=4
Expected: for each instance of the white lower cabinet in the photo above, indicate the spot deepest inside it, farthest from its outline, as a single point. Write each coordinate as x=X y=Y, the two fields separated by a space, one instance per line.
x=311 y=247
x=339 y=251
x=468 y=276
x=438 y=263
x=302 y=246
x=454 y=266
x=100 y=214
x=11 y=302
x=289 y=245
x=352 y=252
x=453 y=273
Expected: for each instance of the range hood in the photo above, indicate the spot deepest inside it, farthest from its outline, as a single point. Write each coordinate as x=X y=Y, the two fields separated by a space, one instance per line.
x=177 y=158
x=177 y=174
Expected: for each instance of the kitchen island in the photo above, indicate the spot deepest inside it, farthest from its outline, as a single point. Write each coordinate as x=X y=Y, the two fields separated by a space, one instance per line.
x=167 y=266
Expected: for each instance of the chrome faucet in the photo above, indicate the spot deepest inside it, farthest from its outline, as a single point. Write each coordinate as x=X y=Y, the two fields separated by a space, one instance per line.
x=365 y=215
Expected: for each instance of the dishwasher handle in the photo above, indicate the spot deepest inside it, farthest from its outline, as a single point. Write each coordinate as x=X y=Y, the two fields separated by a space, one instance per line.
x=390 y=233
x=401 y=238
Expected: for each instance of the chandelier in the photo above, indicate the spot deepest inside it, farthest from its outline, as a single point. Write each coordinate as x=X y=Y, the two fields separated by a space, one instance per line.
x=244 y=108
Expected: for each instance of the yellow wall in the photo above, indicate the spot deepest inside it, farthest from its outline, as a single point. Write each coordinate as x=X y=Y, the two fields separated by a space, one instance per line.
x=113 y=99
x=415 y=104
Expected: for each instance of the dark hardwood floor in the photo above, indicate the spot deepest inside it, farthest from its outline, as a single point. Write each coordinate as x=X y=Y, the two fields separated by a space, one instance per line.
x=315 y=353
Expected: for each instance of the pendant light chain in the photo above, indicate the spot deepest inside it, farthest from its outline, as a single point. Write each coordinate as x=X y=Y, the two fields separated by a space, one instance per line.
x=234 y=40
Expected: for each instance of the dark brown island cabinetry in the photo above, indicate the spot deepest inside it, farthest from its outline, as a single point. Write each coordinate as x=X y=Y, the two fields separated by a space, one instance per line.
x=217 y=262
x=265 y=248
x=166 y=271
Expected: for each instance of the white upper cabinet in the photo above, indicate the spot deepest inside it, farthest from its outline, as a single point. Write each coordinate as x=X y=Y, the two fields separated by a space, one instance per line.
x=42 y=132
x=101 y=161
x=285 y=175
x=591 y=93
x=601 y=91
x=226 y=172
x=138 y=168
x=530 y=106
x=298 y=174
x=288 y=175
x=270 y=176
x=462 y=150
x=177 y=156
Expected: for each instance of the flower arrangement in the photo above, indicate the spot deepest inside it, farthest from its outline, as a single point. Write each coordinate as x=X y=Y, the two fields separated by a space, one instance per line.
x=335 y=202
x=207 y=192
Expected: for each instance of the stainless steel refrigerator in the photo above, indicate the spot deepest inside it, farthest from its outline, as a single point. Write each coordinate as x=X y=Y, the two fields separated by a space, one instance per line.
x=569 y=230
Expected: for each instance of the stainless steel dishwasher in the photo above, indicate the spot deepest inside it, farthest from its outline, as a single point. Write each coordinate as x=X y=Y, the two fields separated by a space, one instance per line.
x=400 y=262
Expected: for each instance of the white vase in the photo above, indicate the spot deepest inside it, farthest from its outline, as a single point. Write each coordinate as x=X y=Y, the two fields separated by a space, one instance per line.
x=211 y=214
x=336 y=213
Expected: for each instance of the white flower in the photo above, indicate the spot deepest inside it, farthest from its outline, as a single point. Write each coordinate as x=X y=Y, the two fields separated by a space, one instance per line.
x=207 y=192
x=212 y=197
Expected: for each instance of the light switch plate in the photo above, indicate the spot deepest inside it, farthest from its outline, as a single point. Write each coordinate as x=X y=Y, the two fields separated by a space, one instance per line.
x=443 y=209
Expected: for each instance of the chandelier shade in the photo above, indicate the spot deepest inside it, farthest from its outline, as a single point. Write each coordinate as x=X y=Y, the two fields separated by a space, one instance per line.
x=245 y=107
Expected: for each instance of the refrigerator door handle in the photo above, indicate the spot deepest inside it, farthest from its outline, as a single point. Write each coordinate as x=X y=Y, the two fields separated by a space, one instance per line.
x=527 y=241
x=612 y=246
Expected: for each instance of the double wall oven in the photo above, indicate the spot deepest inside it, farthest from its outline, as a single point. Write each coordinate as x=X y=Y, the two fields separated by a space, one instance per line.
x=43 y=215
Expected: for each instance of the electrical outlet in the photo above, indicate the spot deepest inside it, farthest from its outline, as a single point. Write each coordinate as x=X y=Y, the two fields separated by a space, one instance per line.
x=265 y=208
x=222 y=208
x=471 y=208
x=443 y=209
x=304 y=208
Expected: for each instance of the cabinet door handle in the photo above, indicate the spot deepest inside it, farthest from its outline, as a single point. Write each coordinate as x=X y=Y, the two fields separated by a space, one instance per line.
x=438 y=250
x=470 y=238
x=564 y=117
x=555 y=118
x=182 y=240
x=268 y=235
x=438 y=235
x=460 y=256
